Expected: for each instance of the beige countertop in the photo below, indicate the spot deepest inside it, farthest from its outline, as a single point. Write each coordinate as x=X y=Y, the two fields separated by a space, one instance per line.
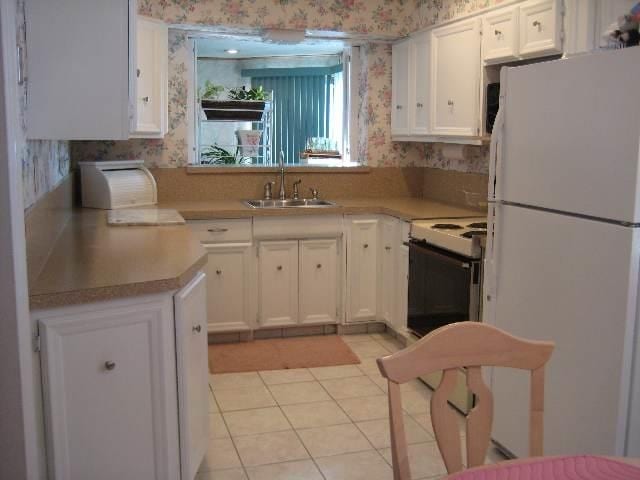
x=405 y=208
x=91 y=261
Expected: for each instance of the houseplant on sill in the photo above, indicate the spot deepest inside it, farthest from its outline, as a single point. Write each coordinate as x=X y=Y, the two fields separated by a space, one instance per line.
x=243 y=105
x=216 y=155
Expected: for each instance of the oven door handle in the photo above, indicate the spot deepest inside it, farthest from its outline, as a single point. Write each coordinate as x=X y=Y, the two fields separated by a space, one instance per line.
x=454 y=260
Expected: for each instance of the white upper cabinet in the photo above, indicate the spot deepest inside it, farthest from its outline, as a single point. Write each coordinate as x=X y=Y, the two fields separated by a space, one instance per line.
x=400 y=108
x=500 y=35
x=540 y=28
x=95 y=71
x=419 y=86
x=319 y=281
x=455 y=78
x=81 y=69
x=278 y=283
x=151 y=79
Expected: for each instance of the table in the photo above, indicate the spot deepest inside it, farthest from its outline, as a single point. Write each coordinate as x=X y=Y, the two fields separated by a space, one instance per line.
x=580 y=467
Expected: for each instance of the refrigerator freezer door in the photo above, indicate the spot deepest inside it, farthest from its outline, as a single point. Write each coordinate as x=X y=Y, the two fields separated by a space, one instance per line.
x=573 y=281
x=571 y=135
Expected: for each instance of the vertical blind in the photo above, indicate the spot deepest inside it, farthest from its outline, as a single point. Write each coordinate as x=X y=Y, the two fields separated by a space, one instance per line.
x=301 y=105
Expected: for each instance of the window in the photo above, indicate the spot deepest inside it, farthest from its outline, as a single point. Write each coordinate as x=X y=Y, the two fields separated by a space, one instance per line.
x=258 y=100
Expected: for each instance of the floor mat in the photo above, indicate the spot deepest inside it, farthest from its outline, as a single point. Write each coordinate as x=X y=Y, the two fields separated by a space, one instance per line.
x=280 y=353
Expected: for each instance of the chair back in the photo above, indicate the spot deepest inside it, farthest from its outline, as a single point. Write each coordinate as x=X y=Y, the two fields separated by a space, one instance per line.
x=447 y=349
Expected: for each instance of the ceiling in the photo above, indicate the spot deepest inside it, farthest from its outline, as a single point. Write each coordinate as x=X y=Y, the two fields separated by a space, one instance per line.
x=248 y=47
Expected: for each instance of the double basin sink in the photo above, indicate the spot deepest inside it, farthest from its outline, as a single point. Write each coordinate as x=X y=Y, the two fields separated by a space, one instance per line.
x=290 y=203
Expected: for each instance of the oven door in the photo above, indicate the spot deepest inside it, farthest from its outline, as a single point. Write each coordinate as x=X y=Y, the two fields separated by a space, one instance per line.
x=443 y=288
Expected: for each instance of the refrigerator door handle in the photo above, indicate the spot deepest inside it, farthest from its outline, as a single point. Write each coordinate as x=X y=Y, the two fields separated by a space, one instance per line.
x=494 y=149
x=490 y=280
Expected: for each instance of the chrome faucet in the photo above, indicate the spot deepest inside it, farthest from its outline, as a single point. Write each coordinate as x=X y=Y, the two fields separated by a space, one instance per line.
x=283 y=194
x=296 y=192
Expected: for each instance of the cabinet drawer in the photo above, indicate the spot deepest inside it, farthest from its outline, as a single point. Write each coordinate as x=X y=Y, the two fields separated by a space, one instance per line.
x=222 y=231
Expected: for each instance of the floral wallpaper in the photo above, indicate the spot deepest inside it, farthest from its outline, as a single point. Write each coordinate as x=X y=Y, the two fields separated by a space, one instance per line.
x=44 y=162
x=375 y=17
x=382 y=17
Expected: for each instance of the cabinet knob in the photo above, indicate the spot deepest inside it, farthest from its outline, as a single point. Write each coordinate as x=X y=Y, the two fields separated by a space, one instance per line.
x=419 y=105
x=319 y=265
x=138 y=73
x=197 y=329
x=279 y=267
x=109 y=365
x=537 y=24
x=218 y=272
x=450 y=103
x=497 y=33
x=398 y=107
x=145 y=99
x=217 y=230
x=366 y=245
x=387 y=247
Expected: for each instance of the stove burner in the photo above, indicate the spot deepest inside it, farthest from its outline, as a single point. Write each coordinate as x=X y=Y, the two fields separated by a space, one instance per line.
x=471 y=233
x=477 y=225
x=446 y=226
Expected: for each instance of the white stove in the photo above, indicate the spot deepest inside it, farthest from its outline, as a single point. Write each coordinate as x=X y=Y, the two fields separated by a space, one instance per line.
x=458 y=235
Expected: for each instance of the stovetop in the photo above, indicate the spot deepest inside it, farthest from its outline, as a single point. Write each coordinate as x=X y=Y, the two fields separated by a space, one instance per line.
x=459 y=235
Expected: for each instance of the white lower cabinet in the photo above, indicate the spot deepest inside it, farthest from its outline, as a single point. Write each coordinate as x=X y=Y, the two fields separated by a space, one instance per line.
x=229 y=271
x=124 y=385
x=109 y=381
x=192 y=374
x=402 y=289
x=298 y=282
x=278 y=283
x=390 y=241
x=318 y=281
x=362 y=268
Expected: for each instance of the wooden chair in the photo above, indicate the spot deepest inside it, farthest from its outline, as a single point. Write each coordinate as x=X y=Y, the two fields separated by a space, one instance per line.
x=470 y=345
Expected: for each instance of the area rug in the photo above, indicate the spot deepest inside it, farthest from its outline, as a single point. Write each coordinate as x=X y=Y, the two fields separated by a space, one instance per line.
x=280 y=354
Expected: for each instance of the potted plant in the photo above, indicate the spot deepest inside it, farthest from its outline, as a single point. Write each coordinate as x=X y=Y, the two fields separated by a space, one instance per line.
x=243 y=104
x=215 y=155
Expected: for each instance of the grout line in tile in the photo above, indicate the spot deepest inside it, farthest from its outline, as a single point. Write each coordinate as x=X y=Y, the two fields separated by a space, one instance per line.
x=302 y=443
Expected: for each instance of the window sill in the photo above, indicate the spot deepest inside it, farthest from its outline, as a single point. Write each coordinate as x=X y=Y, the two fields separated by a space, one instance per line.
x=206 y=169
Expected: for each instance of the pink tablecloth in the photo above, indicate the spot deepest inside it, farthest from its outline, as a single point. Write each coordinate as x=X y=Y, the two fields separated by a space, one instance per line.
x=554 y=468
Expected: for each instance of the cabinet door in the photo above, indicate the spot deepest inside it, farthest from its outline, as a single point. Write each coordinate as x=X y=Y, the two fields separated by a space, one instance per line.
x=81 y=69
x=319 y=281
x=193 y=374
x=402 y=289
x=400 y=108
x=151 y=78
x=388 y=259
x=420 y=53
x=109 y=384
x=500 y=35
x=455 y=75
x=540 y=27
x=228 y=287
x=278 y=283
x=362 y=269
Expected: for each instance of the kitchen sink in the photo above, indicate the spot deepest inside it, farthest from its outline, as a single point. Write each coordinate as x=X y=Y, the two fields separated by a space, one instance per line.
x=290 y=203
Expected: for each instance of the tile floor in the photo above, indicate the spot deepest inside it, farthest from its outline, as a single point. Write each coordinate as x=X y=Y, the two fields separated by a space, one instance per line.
x=327 y=423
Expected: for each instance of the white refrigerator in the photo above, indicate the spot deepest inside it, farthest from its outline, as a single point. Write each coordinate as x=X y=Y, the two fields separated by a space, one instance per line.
x=563 y=249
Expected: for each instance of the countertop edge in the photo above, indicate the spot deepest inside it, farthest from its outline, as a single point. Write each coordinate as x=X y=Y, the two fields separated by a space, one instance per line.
x=114 y=292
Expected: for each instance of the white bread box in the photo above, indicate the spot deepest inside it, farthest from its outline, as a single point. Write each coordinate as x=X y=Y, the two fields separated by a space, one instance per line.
x=117 y=184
